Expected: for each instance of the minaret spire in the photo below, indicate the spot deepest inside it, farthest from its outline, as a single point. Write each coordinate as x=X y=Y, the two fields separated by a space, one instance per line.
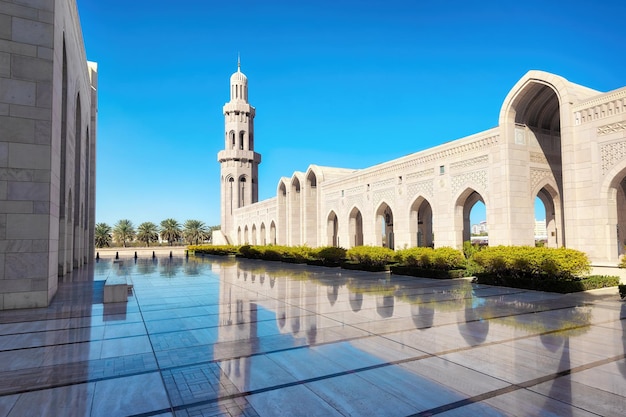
x=238 y=62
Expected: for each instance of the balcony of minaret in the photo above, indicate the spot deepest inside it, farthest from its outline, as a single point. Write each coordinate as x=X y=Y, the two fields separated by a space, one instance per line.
x=239 y=155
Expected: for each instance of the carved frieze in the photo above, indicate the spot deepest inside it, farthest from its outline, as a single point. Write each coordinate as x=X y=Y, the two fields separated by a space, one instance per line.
x=538 y=158
x=612 y=128
x=420 y=174
x=479 y=160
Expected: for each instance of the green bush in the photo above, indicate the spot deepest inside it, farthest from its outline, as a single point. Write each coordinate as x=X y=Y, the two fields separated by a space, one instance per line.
x=221 y=250
x=421 y=257
x=519 y=261
x=546 y=283
x=447 y=258
x=370 y=255
x=329 y=254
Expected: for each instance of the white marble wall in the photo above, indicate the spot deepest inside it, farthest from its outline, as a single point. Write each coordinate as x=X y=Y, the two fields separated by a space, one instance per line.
x=32 y=35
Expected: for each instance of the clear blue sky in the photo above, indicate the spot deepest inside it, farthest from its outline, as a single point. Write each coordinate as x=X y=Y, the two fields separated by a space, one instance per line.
x=336 y=83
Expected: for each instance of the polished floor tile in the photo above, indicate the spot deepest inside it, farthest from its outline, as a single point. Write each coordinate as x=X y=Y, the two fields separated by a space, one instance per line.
x=224 y=337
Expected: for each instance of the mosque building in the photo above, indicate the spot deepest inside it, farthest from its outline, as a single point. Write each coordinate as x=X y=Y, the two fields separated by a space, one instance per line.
x=559 y=141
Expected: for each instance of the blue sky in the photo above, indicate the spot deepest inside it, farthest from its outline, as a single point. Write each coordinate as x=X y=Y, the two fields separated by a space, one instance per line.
x=336 y=83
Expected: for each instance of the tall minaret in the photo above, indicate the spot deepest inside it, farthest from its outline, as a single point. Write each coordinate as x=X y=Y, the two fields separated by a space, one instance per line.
x=239 y=163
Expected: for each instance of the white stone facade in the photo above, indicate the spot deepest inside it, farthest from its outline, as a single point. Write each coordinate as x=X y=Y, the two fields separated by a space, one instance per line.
x=556 y=140
x=48 y=110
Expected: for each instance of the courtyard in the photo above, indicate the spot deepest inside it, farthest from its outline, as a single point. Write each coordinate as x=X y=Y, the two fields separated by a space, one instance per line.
x=225 y=337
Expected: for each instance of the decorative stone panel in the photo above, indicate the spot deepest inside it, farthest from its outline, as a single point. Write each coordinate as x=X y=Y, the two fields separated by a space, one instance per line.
x=472 y=178
x=611 y=154
x=387 y=194
x=538 y=175
x=424 y=188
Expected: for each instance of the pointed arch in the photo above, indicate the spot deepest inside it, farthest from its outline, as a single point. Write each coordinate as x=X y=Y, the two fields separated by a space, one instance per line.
x=355 y=227
x=273 y=240
x=310 y=208
x=384 y=226
x=254 y=241
x=613 y=197
x=549 y=196
x=332 y=229
x=281 y=224
x=243 y=191
x=295 y=210
x=421 y=223
x=263 y=235
x=463 y=207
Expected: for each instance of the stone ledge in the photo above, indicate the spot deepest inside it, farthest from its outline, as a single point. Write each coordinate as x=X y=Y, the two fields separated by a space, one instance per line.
x=115 y=290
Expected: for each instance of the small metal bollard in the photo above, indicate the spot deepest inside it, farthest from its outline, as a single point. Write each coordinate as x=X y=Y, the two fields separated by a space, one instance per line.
x=117 y=255
x=135 y=254
x=170 y=254
x=153 y=255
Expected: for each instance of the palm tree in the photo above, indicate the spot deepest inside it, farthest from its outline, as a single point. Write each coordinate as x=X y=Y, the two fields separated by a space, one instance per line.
x=170 y=230
x=123 y=231
x=195 y=231
x=103 y=235
x=148 y=232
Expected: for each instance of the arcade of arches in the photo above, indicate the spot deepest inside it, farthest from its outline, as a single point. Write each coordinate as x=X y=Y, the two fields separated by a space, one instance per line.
x=556 y=142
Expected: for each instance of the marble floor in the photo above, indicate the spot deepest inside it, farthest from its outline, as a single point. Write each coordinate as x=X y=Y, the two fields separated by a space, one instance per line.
x=223 y=337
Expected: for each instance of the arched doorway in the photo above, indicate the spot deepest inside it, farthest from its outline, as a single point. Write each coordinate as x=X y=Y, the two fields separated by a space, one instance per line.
x=421 y=223
x=332 y=229
x=616 y=222
x=356 y=227
x=281 y=233
x=245 y=235
x=531 y=117
x=295 y=206
x=254 y=234
x=273 y=233
x=384 y=226
x=310 y=221
x=464 y=205
x=263 y=235
x=552 y=205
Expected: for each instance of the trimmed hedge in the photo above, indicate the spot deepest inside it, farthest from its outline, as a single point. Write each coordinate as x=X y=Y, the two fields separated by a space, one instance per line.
x=426 y=272
x=220 y=250
x=546 y=283
x=444 y=258
x=524 y=261
x=370 y=256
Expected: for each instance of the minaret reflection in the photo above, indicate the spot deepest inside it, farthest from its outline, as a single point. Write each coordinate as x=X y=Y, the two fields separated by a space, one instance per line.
x=247 y=296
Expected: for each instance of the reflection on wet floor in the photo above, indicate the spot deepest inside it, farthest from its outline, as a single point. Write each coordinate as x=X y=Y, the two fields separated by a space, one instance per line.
x=219 y=336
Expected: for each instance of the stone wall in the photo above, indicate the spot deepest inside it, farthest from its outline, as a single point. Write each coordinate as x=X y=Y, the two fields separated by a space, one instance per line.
x=47 y=149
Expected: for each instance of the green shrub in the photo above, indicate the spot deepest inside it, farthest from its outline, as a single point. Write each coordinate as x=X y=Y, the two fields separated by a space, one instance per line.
x=546 y=283
x=329 y=254
x=221 y=250
x=446 y=258
x=622 y=262
x=519 y=261
x=370 y=255
x=421 y=257
x=470 y=249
